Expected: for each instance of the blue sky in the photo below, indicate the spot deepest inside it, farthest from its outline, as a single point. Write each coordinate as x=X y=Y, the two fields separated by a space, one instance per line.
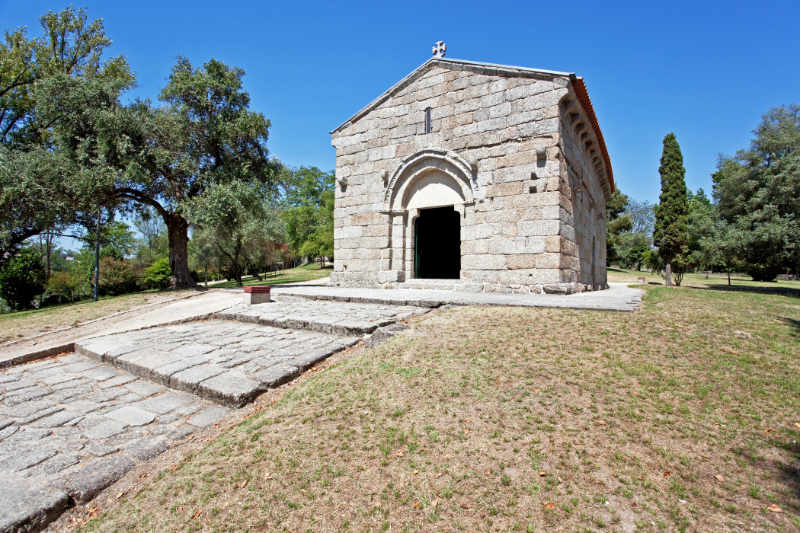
x=705 y=70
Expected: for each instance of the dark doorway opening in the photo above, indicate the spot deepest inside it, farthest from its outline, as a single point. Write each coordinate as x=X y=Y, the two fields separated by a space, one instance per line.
x=437 y=244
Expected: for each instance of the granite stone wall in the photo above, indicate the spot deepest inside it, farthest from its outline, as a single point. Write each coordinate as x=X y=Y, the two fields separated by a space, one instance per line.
x=505 y=148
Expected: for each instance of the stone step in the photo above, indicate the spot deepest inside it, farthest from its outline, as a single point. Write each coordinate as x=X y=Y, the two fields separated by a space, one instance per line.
x=439 y=284
x=331 y=317
x=228 y=362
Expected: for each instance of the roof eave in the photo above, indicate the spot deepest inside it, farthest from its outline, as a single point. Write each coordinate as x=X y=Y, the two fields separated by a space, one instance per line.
x=583 y=97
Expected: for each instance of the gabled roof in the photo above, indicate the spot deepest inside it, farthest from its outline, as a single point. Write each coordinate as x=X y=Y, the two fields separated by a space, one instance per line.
x=577 y=82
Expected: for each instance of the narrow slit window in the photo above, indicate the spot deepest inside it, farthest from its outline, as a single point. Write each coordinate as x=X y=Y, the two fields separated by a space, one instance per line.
x=428 y=125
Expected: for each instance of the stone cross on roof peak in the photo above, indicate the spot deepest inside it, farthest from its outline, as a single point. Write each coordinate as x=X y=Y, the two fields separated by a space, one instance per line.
x=439 y=49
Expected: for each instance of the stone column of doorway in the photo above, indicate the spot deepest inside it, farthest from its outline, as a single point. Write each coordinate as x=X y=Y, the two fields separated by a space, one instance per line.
x=408 y=248
x=461 y=209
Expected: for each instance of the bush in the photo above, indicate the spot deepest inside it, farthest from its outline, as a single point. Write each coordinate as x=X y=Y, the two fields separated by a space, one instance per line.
x=22 y=279
x=157 y=275
x=116 y=276
x=764 y=272
x=63 y=285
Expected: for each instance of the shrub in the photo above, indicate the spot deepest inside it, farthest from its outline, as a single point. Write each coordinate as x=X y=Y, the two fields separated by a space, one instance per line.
x=116 y=276
x=157 y=275
x=22 y=279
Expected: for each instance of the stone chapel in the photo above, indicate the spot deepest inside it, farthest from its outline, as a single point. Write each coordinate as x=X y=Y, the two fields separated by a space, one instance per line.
x=496 y=176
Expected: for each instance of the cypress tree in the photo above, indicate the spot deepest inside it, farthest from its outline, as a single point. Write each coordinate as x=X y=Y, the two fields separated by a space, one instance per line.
x=671 y=233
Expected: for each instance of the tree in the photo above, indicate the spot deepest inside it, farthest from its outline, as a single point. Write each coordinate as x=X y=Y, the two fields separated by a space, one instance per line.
x=718 y=247
x=33 y=193
x=309 y=213
x=64 y=284
x=153 y=243
x=616 y=223
x=672 y=211
x=240 y=220
x=702 y=232
x=204 y=253
x=203 y=136
x=118 y=240
x=631 y=247
x=22 y=279
x=643 y=217
x=758 y=195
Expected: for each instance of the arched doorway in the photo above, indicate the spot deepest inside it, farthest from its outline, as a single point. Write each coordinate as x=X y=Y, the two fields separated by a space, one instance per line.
x=426 y=201
x=437 y=244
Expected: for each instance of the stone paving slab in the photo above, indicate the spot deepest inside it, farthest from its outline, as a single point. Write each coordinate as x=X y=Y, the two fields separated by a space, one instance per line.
x=618 y=297
x=53 y=343
x=71 y=425
x=323 y=316
x=229 y=362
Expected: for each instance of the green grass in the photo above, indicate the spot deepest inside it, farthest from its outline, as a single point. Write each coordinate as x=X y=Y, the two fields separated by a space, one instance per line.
x=739 y=282
x=681 y=417
x=299 y=274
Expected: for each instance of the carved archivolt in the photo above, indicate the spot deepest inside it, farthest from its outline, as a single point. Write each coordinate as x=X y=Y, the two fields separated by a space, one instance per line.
x=416 y=166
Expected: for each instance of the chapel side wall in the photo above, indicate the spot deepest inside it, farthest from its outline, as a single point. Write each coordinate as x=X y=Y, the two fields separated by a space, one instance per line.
x=583 y=202
x=511 y=235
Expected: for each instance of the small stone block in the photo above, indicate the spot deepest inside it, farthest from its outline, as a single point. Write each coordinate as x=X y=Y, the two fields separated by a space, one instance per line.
x=257 y=289
x=253 y=298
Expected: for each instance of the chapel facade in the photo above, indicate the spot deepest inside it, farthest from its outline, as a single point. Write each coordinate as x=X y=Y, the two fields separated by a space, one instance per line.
x=493 y=175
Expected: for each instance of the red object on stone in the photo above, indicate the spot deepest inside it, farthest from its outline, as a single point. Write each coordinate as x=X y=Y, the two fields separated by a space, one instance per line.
x=259 y=289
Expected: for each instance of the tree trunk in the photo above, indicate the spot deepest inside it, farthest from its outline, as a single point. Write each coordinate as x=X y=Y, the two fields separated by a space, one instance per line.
x=729 y=278
x=177 y=232
x=237 y=268
x=97 y=259
x=668 y=275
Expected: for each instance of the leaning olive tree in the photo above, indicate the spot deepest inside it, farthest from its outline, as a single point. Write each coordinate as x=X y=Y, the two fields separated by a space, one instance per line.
x=203 y=135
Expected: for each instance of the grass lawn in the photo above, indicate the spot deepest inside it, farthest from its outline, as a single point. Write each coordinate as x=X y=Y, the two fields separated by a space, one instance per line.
x=292 y=275
x=714 y=280
x=26 y=323
x=683 y=416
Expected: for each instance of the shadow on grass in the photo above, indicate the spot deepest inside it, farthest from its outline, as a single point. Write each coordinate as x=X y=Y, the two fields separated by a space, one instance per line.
x=794 y=323
x=784 y=470
x=789 y=472
x=779 y=291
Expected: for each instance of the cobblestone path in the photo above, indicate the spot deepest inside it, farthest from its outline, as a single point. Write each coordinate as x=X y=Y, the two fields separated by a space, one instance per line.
x=73 y=424
x=70 y=425
x=225 y=361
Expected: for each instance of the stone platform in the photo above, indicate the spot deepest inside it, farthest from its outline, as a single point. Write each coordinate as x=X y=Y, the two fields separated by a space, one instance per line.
x=323 y=316
x=618 y=297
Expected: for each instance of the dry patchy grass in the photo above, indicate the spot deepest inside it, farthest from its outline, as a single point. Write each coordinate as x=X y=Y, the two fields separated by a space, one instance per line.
x=684 y=416
x=27 y=323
